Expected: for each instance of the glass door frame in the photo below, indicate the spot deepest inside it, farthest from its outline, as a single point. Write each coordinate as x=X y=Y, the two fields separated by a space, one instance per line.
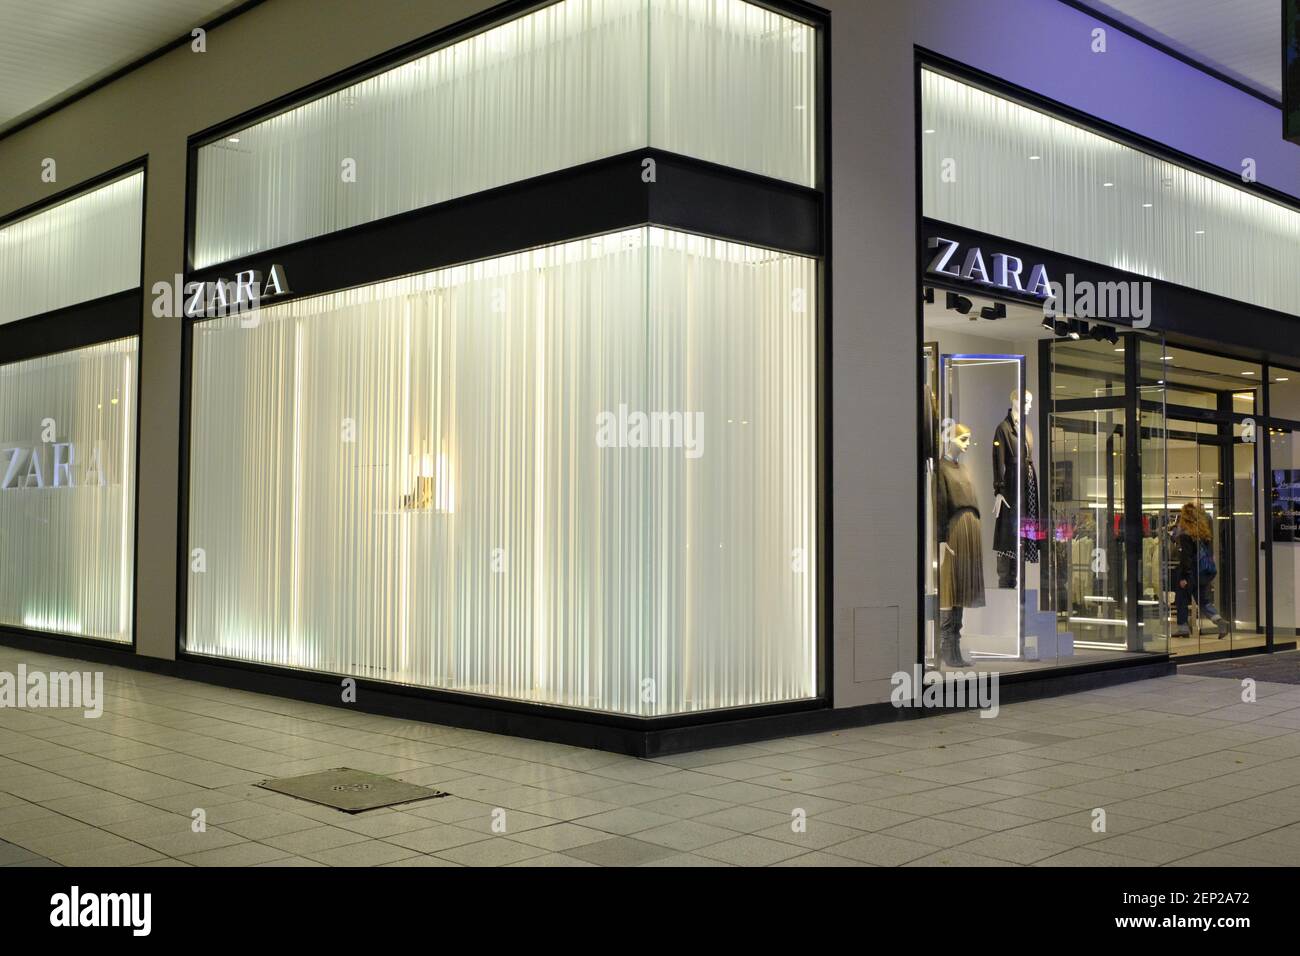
x=1264 y=422
x=1131 y=405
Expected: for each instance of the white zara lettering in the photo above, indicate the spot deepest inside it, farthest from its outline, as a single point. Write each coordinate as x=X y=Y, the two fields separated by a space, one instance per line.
x=1007 y=270
x=56 y=465
x=220 y=297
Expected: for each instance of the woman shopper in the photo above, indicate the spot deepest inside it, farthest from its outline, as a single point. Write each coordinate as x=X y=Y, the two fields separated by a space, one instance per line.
x=1195 y=571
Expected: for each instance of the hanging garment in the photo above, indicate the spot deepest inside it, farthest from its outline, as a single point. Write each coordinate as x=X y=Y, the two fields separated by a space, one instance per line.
x=1006 y=482
x=961 y=565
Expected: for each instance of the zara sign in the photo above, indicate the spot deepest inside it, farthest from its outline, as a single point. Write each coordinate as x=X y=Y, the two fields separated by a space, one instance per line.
x=999 y=270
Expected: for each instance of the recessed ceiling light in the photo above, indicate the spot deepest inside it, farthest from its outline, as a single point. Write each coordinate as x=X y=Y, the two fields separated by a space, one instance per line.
x=232 y=139
x=1108 y=185
x=1166 y=358
x=1035 y=157
x=928 y=132
x=1200 y=232
x=1146 y=205
x=1281 y=380
x=1247 y=373
x=1120 y=349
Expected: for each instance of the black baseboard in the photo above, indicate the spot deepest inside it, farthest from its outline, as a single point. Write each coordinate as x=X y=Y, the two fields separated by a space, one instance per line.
x=596 y=731
x=1028 y=686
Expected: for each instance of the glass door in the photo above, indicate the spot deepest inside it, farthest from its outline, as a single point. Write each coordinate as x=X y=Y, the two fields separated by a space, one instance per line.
x=1215 y=565
x=1107 y=499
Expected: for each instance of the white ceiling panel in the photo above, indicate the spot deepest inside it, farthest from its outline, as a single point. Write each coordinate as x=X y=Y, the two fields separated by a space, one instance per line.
x=1238 y=38
x=51 y=48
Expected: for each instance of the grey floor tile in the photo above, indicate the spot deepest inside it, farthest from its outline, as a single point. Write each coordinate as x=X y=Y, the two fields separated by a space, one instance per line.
x=750 y=850
x=620 y=851
x=495 y=851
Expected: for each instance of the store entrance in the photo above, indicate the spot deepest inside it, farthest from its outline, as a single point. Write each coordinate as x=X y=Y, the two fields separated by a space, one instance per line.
x=1155 y=497
x=1033 y=446
x=1215 y=560
x=1110 y=545
x=1094 y=494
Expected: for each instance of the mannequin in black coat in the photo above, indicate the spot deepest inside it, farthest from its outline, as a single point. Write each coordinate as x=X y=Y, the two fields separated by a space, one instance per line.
x=1007 y=481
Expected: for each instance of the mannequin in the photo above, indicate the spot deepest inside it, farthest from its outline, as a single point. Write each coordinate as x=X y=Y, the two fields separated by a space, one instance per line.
x=1007 y=481
x=961 y=562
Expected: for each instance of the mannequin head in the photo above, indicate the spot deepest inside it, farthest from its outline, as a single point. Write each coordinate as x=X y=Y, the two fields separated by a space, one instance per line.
x=958 y=441
x=1016 y=407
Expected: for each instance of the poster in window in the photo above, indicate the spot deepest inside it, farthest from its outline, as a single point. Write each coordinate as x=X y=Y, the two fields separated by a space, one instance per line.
x=1286 y=504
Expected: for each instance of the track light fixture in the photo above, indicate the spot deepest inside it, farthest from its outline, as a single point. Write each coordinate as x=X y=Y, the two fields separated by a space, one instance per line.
x=995 y=311
x=1104 y=333
x=959 y=302
x=928 y=294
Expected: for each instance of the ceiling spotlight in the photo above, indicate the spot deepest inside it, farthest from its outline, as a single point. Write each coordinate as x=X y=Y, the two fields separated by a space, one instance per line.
x=995 y=311
x=928 y=294
x=959 y=302
x=1049 y=323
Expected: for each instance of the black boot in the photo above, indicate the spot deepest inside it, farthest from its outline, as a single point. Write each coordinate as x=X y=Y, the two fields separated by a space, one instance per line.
x=954 y=647
x=950 y=638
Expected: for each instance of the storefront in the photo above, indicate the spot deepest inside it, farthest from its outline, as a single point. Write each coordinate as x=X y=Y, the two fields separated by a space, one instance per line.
x=494 y=379
x=1107 y=455
x=529 y=415
x=69 y=324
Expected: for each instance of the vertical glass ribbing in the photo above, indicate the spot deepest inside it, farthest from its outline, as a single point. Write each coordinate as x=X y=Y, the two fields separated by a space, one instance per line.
x=572 y=82
x=67 y=491
x=1002 y=168
x=81 y=249
x=735 y=84
x=440 y=480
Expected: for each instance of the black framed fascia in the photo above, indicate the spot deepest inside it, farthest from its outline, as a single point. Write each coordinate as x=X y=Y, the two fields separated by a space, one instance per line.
x=603 y=196
x=1062 y=111
x=1191 y=318
x=111 y=317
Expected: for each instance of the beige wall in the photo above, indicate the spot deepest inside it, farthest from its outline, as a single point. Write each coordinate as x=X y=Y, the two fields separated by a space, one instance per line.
x=285 y=44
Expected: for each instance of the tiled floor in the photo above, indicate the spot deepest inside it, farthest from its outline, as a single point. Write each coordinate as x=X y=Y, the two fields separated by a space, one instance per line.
x=1185 y=771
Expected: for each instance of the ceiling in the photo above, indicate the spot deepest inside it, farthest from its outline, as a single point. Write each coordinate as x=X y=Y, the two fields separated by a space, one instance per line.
x=52 y=48
x=1239 y=38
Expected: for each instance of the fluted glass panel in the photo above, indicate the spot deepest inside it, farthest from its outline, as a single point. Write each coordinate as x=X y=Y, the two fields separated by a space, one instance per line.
x=441 y=480
x=67 y=491
x=997 y=166
x=564 y=85
x=734 y=83
x=79 y=250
